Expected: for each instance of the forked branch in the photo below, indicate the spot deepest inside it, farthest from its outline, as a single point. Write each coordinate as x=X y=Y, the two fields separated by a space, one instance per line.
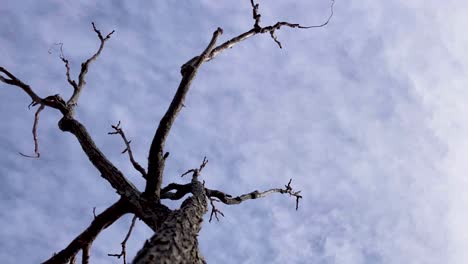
x=123 y=253
x=214 y=211
x=228 y=199
x=257 y=29
x=84 y=68
x=128 y=149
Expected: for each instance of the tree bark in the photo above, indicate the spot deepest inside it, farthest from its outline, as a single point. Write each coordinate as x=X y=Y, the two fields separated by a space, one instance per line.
x=177 y=240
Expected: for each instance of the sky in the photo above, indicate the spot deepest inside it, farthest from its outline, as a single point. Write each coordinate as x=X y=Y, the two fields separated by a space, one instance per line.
x=367 y=115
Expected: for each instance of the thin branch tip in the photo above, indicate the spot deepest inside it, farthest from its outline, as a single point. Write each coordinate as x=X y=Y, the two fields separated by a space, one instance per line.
x=118 y=130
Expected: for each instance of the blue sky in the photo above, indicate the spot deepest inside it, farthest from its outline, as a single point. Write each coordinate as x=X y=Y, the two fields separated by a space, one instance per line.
x=367 y=115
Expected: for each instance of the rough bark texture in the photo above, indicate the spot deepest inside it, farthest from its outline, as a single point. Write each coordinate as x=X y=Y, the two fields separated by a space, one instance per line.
x=177 y=241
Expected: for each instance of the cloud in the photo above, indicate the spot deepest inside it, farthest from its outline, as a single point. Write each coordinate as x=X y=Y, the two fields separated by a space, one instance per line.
x=367 y=115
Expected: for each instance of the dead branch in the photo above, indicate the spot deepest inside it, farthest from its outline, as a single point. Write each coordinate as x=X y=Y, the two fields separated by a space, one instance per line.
x=54 y=101
x=156 y=160
x=196 y=172
x=12 y=80
x=214 y=210
x=123 y=253
x=228 y=199
x=67 y=67
x=84 y=68
x=108 y=170
x=100 y=222
x=257 y=29
x=34 y=132
x=180 y=191
x=85 y=253
x=128 y=149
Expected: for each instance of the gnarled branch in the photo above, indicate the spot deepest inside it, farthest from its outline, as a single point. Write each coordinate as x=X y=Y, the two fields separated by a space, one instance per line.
x=228 y=199
x=77 y=88
x=156 y=159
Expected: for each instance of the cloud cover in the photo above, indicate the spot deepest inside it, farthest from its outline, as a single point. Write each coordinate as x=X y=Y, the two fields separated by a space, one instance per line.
x=367 y=115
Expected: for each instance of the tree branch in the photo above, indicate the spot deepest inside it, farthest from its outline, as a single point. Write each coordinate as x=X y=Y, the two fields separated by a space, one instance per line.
x=108 y=171
x=258 y=29
x=77 y=88
x=128 y=149
x=101 y=222
x=34 y=132
x=156 y=159
x=12 y=80
x=228 y=199
x=85 y=253
x=123 y=253
x=214 y=210
x=180 y=191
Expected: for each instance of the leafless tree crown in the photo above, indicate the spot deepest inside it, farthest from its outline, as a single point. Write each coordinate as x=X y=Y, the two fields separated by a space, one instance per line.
x=176 y=231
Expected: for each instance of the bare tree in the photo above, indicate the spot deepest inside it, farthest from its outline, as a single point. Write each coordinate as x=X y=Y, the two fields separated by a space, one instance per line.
x=176 y=231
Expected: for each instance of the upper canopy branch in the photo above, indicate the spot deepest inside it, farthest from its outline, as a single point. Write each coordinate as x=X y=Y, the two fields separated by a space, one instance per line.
x=156 y=159
x=268 y=29
x=84 y=68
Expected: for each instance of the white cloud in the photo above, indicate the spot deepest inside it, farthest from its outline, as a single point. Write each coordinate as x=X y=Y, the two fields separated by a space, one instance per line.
x=367 y=115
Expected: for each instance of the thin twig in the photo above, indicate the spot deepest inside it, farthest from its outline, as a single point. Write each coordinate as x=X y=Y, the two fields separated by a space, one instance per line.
x=84 y=68
x=128 y=149
x=123 y=253
x=228 y=199
x=34 y=132
x=214 y=210
x=197 y=171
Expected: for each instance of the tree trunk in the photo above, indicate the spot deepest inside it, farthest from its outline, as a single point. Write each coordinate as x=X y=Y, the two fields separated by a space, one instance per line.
x=177 y=239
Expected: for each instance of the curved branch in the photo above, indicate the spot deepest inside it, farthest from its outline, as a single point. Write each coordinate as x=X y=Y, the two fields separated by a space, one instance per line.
x=84 y=68
x=156 y=159
x=34 y=132
x=258 y=29
x=128 y=149
x=100 y=222
x=228 y=199
x=180 y=191
x=108 y=171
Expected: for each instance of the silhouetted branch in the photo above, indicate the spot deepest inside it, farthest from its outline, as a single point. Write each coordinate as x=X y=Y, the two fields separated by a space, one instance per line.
x=84 y=68
x=100 y=222
x=136 y=165
x=258 y=29
x=85 y=253
x=228 y=199
x=123 y=253
x=34 y=132
x=12 y=80
x=214 y=210
x=156 y=159
x=180 y=191
x=197 y=171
